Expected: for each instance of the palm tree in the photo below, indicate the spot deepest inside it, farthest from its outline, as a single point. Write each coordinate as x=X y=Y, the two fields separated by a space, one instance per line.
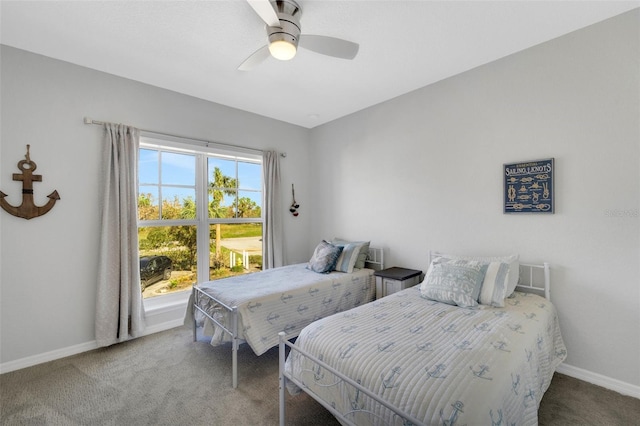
x=218 y=187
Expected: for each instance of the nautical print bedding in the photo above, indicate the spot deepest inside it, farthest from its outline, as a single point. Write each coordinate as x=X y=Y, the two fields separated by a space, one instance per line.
x=281 y=299
x=440 y=364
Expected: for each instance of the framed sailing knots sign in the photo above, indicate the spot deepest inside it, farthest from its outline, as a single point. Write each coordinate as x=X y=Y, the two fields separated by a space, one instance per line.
x=528 y=187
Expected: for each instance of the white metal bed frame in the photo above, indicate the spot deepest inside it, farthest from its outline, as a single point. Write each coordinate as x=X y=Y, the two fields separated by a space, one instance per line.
x=530 y=280
x=375 y=260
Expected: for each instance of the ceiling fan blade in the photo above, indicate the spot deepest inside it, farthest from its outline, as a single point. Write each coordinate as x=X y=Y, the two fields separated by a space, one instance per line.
x=329 y=46
x=265 y=11
x=255 y=59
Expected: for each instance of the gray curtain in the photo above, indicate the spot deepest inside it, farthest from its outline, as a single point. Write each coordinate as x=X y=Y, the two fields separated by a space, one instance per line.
x=273 y=254
x=119 y=309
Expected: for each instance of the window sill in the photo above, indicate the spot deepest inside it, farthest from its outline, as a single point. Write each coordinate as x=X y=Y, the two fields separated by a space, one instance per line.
x=167 y=303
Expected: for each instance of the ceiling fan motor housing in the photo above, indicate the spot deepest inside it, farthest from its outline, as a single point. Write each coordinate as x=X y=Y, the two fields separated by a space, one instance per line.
x=288 y=13
x=282 y=19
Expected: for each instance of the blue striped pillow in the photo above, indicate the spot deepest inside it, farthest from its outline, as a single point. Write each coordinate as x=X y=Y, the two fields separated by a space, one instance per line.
x=495 y=284
x=348 y=258
x=364 y=250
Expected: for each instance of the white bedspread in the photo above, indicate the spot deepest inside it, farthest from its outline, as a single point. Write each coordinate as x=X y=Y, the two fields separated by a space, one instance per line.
x=440 y=364
x=282 y=299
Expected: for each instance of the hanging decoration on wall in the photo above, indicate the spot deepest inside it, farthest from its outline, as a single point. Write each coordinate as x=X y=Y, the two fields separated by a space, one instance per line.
x=28 y=210
x=294 y=205
x=528 y=187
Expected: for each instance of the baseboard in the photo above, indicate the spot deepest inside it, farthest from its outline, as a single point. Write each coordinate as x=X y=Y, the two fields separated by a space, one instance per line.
x=600 y=380
x=30 y=361
x=161 y=313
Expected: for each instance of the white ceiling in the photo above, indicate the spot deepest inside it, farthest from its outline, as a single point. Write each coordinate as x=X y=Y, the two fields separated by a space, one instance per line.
x=194 y=47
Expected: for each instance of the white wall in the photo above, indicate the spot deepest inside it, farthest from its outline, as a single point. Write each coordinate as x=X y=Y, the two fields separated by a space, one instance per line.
x=49 y=264
x=417 y=173
x=423 y=172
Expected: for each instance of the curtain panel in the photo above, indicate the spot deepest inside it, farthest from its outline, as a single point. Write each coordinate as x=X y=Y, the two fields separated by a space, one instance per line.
x=119 y=308
x=273 y=253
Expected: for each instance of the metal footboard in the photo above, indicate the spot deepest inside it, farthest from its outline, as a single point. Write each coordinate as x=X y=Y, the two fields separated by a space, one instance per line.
x=340 y=380
x=233 y=332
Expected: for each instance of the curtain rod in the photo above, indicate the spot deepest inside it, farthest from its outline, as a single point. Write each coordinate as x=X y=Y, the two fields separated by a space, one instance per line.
x=88 y=120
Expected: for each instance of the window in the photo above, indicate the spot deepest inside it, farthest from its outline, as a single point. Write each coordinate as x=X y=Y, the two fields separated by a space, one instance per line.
x=200 y=215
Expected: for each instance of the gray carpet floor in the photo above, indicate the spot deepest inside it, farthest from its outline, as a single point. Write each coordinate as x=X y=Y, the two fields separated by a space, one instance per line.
x=167 y=379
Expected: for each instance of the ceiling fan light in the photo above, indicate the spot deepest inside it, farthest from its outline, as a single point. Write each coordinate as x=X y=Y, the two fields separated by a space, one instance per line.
x=282 y=50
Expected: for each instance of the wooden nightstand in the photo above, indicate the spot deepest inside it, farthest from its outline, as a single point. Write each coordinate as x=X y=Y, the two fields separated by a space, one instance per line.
x=394 y=279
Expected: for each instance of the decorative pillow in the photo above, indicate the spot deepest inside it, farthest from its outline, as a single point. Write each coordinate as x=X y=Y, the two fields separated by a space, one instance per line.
x=456 y=282
x=512 y=260
x=514 y=274
x=324 y=257
x=364 y=250
x=349 y=256
x=494 y=285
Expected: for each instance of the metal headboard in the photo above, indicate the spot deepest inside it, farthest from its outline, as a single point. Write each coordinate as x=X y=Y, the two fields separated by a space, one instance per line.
x=533 y=278
x=375 y=258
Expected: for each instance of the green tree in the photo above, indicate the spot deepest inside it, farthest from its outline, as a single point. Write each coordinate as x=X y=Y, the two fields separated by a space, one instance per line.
x=157 y=237
x=171 y=209
x=186 y=236
x=220 y=186
x=147 y=209
x=188 y=208
x=248 y=208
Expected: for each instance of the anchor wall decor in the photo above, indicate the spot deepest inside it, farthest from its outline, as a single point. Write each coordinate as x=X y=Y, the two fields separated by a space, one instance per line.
x=28 y=209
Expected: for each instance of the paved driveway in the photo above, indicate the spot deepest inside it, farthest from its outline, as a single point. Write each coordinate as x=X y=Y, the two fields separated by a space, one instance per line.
x=253 y=245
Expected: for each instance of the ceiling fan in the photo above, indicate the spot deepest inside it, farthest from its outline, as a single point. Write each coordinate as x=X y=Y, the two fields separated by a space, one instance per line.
x=283 y=30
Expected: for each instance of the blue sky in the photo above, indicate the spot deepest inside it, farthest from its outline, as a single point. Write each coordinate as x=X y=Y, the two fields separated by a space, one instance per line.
x=178 y=175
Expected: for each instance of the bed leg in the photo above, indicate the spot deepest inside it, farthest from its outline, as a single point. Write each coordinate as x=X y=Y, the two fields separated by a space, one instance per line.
x=234 y=363
x=193 y=301
x=234 y=347
x=281 y=384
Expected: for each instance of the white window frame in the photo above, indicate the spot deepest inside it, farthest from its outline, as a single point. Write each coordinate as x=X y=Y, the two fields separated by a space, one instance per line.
x=203 y=223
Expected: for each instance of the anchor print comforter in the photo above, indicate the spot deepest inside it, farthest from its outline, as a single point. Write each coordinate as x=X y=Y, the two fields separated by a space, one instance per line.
x=281 y=299
x=438 y=363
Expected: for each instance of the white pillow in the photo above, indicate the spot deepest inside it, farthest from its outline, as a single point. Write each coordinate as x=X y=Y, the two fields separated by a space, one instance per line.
x=512 y=260
x=494 y=285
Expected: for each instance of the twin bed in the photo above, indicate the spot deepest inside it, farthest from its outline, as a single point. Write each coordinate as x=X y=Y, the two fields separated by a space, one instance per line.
x=415 y=357
x=409 y=360
x=254 y=308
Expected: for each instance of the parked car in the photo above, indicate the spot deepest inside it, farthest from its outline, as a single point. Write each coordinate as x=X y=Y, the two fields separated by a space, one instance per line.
x=154 y=269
